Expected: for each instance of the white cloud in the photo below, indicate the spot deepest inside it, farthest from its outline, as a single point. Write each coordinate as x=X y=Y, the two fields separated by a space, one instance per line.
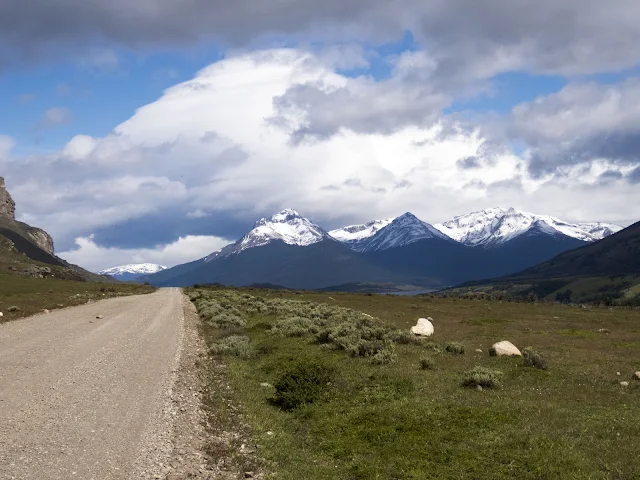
x=209 y=148
x=54 y=117
x=95 y=257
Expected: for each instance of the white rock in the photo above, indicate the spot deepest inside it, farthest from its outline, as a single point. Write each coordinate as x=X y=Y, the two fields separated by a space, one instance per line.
x=624 y=384
x=45 y=311
x=1 y=314
x=478 y=350
x=636 y=375
x=424 y=328
x=505 y=349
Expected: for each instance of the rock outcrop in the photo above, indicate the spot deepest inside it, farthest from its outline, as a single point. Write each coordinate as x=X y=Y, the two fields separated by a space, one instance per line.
x=7 y=205
x=8 y=220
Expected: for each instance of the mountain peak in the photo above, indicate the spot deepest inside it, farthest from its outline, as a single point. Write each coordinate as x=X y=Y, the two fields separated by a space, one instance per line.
x=284 y=216
x=287 y=226
x=498 y=225
x=401 y=231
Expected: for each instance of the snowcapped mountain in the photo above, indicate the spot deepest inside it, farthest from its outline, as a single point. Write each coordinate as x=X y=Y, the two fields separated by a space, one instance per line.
x=355 y=235
x=287 y=226
x=401 y=231
x=132 y=271
x=285 y=249
x=496 y=226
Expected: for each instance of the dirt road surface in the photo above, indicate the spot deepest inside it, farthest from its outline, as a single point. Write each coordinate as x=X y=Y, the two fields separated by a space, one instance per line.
x=90 y=398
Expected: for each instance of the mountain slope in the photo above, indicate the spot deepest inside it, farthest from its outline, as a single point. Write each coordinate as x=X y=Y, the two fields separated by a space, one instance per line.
x=618 y=254
x=356 y=236
x=496 y=226
x=34 y=245
x=315 y=266
x=132 y=271
x=402 y=231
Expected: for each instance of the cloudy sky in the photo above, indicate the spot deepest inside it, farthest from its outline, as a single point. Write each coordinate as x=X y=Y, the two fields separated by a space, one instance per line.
x=160 y=130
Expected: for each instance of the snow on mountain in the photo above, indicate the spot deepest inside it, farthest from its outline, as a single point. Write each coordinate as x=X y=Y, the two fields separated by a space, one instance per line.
x=498 y=225
x=354 y=234
x=129 y=272
x=401 y=231
x=287 y=226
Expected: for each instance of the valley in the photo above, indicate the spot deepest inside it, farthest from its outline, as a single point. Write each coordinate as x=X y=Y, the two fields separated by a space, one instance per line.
x=333 y=387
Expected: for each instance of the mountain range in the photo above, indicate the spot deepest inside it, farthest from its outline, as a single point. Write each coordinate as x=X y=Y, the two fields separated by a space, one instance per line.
x=290 y=250
x=132 y=272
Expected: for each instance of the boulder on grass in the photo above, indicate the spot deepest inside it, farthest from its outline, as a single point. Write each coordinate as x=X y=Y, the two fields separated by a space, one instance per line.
x=504 y=349
x=424 y=328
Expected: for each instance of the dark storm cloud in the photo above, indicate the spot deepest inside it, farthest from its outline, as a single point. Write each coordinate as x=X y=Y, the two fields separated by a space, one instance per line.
x=580 y=124
x=470 y=37
x=165 y=227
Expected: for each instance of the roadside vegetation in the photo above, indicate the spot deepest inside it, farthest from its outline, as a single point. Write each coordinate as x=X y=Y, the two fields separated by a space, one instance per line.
x=335 y=387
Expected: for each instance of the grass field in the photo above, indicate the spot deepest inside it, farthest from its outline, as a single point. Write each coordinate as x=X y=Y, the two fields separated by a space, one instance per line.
x=24 y=296
x=23 y=293
x=333 y=410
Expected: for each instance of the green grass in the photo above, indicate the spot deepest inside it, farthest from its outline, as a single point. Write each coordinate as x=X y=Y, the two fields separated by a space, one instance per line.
x=398 y=421
x=33 y=295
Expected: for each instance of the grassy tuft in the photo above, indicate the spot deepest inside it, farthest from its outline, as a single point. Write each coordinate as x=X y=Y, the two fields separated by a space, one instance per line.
x=454 y=348
x=236 y=345
x=427 y=363
x=482 y=376
x=532 y=358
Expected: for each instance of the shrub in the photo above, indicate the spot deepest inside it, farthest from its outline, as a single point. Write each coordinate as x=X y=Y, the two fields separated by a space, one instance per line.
x=225 y=320
x=404 y=337
x=384 y=356
x=455 y=348
x=485 y=377
x=236 y=345
x=292 y=327
x=427 y=363
x=532 y=358
x=302 y=383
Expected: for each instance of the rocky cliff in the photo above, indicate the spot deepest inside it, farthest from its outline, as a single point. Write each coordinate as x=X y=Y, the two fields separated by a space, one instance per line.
x=7 y=205
x=8 y=219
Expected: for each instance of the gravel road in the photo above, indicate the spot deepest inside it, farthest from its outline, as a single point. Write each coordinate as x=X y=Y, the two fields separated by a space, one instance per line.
x=89 y=398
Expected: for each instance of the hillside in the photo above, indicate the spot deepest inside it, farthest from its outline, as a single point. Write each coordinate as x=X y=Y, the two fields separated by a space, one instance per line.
x=607 y=271
x=315 y=266
x=618 y=254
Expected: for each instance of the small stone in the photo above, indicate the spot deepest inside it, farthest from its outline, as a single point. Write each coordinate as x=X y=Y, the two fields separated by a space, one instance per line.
x=45 y=311
x=270 y=433
x=1 y=314
x=624 y=384
x=636 y=375
x=265 y=385
x=248 y=474
x=604 y=330
x=618 y=373
x=479 y=388
x=478 y=350
x=99 y=317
